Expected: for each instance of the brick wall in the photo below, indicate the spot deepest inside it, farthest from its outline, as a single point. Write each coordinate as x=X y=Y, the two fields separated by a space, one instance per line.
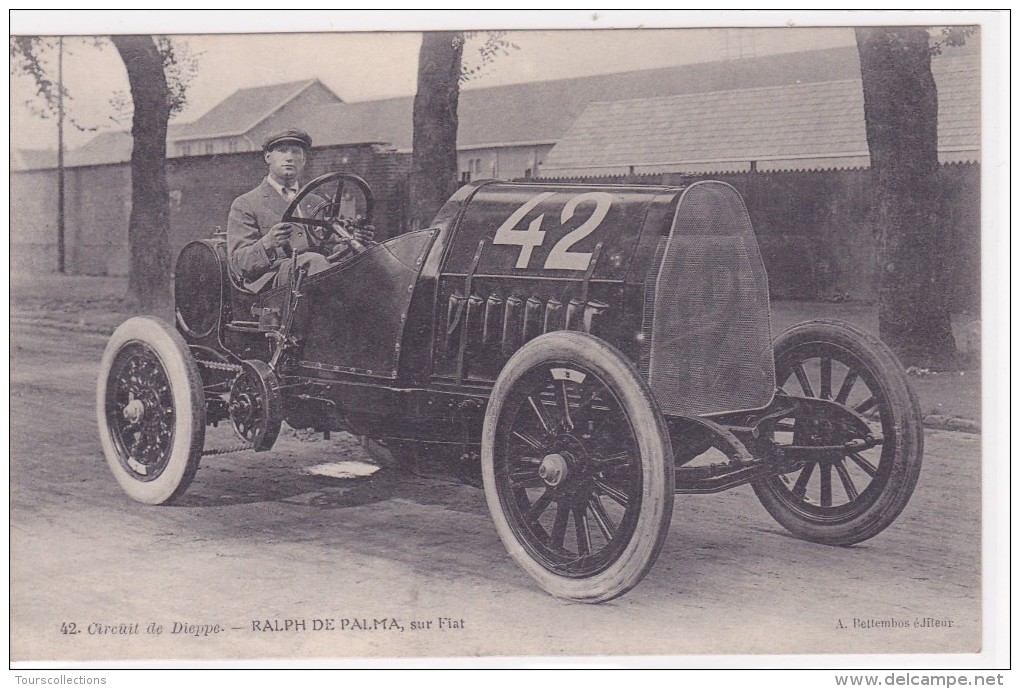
x=815 y=229
x=98 y=203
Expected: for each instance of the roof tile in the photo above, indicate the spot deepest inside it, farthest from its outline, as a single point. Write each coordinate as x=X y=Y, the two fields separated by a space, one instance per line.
x=545 y=111
x=245 y=108
x=794 y=126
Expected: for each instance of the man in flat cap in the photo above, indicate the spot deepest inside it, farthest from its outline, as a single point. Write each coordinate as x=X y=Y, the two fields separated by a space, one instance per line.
x=258 y=243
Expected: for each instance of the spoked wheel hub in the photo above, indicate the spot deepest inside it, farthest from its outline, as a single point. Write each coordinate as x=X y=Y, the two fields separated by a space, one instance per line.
x=865 y=423
x=574 y=459
x=568 y=464
x=150 y=406
x=140 y=411
x=554 y=469
x=133 y=411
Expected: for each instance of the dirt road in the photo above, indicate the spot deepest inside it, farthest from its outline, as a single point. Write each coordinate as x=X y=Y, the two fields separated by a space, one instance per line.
x=263 y=560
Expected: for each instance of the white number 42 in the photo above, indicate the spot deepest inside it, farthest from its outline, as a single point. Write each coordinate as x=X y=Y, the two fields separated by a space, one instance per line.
x=560 y=257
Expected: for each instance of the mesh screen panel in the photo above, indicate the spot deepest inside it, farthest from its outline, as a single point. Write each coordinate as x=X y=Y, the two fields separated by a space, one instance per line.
x=197 y=289
x=648 y=311
x=711 y=339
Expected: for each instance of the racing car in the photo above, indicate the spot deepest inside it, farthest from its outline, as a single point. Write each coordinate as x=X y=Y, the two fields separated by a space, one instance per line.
x=583 y=353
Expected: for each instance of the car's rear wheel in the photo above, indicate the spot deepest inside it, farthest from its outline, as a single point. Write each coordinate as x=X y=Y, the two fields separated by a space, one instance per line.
x=151 y=410
x=577 y=467
x=842 y=497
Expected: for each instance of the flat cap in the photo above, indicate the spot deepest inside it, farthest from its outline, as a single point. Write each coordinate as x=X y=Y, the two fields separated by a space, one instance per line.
x=295 y=136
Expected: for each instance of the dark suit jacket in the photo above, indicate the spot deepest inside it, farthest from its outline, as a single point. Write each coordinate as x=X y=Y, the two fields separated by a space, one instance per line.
x=252 y=215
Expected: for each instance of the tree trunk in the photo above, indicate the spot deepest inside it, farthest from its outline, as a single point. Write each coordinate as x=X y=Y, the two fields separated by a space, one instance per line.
x=434 y=157
x=901 y=119
x=149 y=226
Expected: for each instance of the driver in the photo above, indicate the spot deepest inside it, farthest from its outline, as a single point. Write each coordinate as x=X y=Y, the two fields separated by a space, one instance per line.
x=258 y=244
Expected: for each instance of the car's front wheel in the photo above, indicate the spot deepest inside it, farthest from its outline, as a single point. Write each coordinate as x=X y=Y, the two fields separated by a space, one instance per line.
x=843 y=496
x=577 y=467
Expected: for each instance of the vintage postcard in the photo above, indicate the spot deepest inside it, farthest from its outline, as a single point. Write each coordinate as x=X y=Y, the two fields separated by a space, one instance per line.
x=482 y=339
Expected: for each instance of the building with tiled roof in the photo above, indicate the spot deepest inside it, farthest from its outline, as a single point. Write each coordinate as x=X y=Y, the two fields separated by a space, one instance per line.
x=243 y=119
x=110 y=147
x=238 y=123
x=32 y=158
x=541 y=111
x=799 y=115
x=500 y=127
x=807 y=126
x=510 y=131
x=506 y=131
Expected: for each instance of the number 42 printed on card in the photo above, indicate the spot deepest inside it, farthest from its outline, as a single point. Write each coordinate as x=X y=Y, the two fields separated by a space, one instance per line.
x=560 y=257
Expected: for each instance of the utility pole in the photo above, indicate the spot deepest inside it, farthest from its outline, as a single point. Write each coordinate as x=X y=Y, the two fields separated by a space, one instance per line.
x=60 y=157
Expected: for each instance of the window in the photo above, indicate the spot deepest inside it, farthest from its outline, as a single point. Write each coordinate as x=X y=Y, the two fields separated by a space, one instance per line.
x=209 y=148
x=465 y=176
x=185 y=149
x=232 y=146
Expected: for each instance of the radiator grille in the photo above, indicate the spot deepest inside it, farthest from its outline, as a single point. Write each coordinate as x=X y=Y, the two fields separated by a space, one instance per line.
x=197 y=285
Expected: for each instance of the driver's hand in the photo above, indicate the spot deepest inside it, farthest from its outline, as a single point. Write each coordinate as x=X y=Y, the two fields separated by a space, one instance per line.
x=364 y=233
x=278 y=236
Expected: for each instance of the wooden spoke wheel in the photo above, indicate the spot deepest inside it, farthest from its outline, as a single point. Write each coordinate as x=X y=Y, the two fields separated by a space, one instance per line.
x=577 y=467
x=151 y=410
x=838 y=496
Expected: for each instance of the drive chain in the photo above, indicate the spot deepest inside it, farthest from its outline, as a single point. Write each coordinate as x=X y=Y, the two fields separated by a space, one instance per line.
x=227 y=450
x=232 y=368
x=218 y=366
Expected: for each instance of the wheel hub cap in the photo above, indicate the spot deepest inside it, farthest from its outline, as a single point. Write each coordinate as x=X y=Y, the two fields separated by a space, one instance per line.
x=553 y=469
x=133 y=411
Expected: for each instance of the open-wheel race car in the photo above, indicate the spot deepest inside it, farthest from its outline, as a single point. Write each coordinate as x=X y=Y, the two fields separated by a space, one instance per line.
x=582 y=352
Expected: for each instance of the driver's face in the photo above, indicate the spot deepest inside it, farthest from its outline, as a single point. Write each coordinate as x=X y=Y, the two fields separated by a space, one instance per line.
x=286 y=161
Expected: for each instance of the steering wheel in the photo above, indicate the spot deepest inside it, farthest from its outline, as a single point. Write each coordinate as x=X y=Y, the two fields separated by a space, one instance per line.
x=325 y=219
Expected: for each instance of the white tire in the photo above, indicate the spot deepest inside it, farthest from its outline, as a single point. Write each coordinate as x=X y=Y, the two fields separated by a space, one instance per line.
x=572 y=433
x=150 y=406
